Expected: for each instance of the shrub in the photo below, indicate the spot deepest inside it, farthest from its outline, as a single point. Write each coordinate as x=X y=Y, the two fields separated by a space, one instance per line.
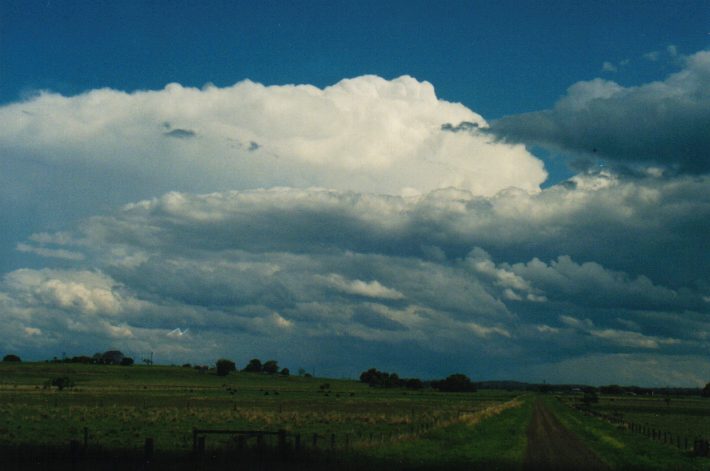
x=455 y=383
x=285 y=372
x=126 y=361
x=11 y=358
x=224 y=367
x=61 y=382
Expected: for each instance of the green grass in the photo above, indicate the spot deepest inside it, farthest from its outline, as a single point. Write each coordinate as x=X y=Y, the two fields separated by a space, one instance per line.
x=682 y=416
x=622 y=449
x=496 y=442
x=121 y=406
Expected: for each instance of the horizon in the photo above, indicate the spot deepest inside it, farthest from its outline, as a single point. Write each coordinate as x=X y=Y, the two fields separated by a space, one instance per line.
x=505 y=191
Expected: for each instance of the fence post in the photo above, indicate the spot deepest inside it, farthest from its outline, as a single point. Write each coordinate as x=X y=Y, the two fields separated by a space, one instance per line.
x=332 y=441
x=74 y=450
x=201 y=445
x=86 y=437
x=282 y=442
x=315 y=440
x=148 y=449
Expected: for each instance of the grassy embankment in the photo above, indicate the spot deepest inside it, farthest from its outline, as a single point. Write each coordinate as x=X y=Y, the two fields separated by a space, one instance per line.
x=622 y=449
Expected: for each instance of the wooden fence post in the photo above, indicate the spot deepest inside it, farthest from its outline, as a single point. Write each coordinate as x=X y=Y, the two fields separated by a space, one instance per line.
x=201 y=445
x=283 y=449
x=74 y=450
x=148 y=449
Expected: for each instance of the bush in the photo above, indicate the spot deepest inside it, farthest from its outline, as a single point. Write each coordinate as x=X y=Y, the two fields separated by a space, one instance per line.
x=61 y=382
x=11 y=358
x=126 y=361
x=455 y=383
x=285 y=372
x=224 y=367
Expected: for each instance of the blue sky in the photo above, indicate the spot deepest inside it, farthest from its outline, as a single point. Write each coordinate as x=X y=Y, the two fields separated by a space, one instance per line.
x=507 y=189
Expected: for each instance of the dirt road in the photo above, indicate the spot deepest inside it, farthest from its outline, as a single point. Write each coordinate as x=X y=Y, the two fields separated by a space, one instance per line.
x=553 y=447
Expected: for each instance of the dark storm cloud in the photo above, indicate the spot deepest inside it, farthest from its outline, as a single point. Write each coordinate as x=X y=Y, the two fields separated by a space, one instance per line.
x=664 y=123
x=181 y=133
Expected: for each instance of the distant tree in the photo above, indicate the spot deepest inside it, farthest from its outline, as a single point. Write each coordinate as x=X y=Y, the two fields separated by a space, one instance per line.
x=126 y=361
x=11 y=358
x=80 y=359
x=612 y=389
x=706 y=391
x=414 y=383
x=186 y=365
x=301 y=372
x=455 y=383
x=254 y=366
x=285 y=372
x=224 y=367
x=271 y=367
x=112 y=357
x=61 y=382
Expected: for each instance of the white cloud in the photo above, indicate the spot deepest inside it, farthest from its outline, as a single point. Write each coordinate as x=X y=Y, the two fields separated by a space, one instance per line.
x=364 y=134
x=609 y=67
x=372 y=289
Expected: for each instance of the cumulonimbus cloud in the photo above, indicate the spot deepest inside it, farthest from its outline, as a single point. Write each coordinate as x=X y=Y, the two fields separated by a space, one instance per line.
x=363 y=134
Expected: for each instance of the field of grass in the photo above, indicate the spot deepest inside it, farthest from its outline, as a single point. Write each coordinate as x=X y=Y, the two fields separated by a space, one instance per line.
x=121 y=406
x=622 y=449
x=493 y=439
x=681 y=416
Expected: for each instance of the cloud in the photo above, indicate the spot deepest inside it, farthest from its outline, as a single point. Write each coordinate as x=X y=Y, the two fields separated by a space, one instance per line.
x=181 y=133
x=609 y=67
x=372 y=289
x=663 y=123
x=362 y=134
x=364 y=224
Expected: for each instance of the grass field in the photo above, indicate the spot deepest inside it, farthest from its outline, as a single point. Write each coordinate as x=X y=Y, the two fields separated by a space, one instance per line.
x=622 y=449
x=682 y=416
x=121 y=406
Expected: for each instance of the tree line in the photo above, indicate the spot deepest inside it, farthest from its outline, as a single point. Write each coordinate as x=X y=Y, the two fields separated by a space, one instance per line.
x=457 y=382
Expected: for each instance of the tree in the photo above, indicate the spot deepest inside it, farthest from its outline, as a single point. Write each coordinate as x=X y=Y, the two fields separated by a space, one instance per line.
x=224 y=367
x=11 y=358
x=706 y=391
x=285 y=372
x=126 y=361
x=455 y=383
x=271 y=367
x=254 y=366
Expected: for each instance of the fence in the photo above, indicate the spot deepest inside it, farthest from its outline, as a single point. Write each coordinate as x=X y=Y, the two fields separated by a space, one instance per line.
x=699 y=446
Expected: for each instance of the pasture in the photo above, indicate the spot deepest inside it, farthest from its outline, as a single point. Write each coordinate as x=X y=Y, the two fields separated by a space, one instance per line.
x=121 y=406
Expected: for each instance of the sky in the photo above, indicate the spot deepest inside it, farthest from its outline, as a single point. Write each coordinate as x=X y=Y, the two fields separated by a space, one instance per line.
x=510 y=190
